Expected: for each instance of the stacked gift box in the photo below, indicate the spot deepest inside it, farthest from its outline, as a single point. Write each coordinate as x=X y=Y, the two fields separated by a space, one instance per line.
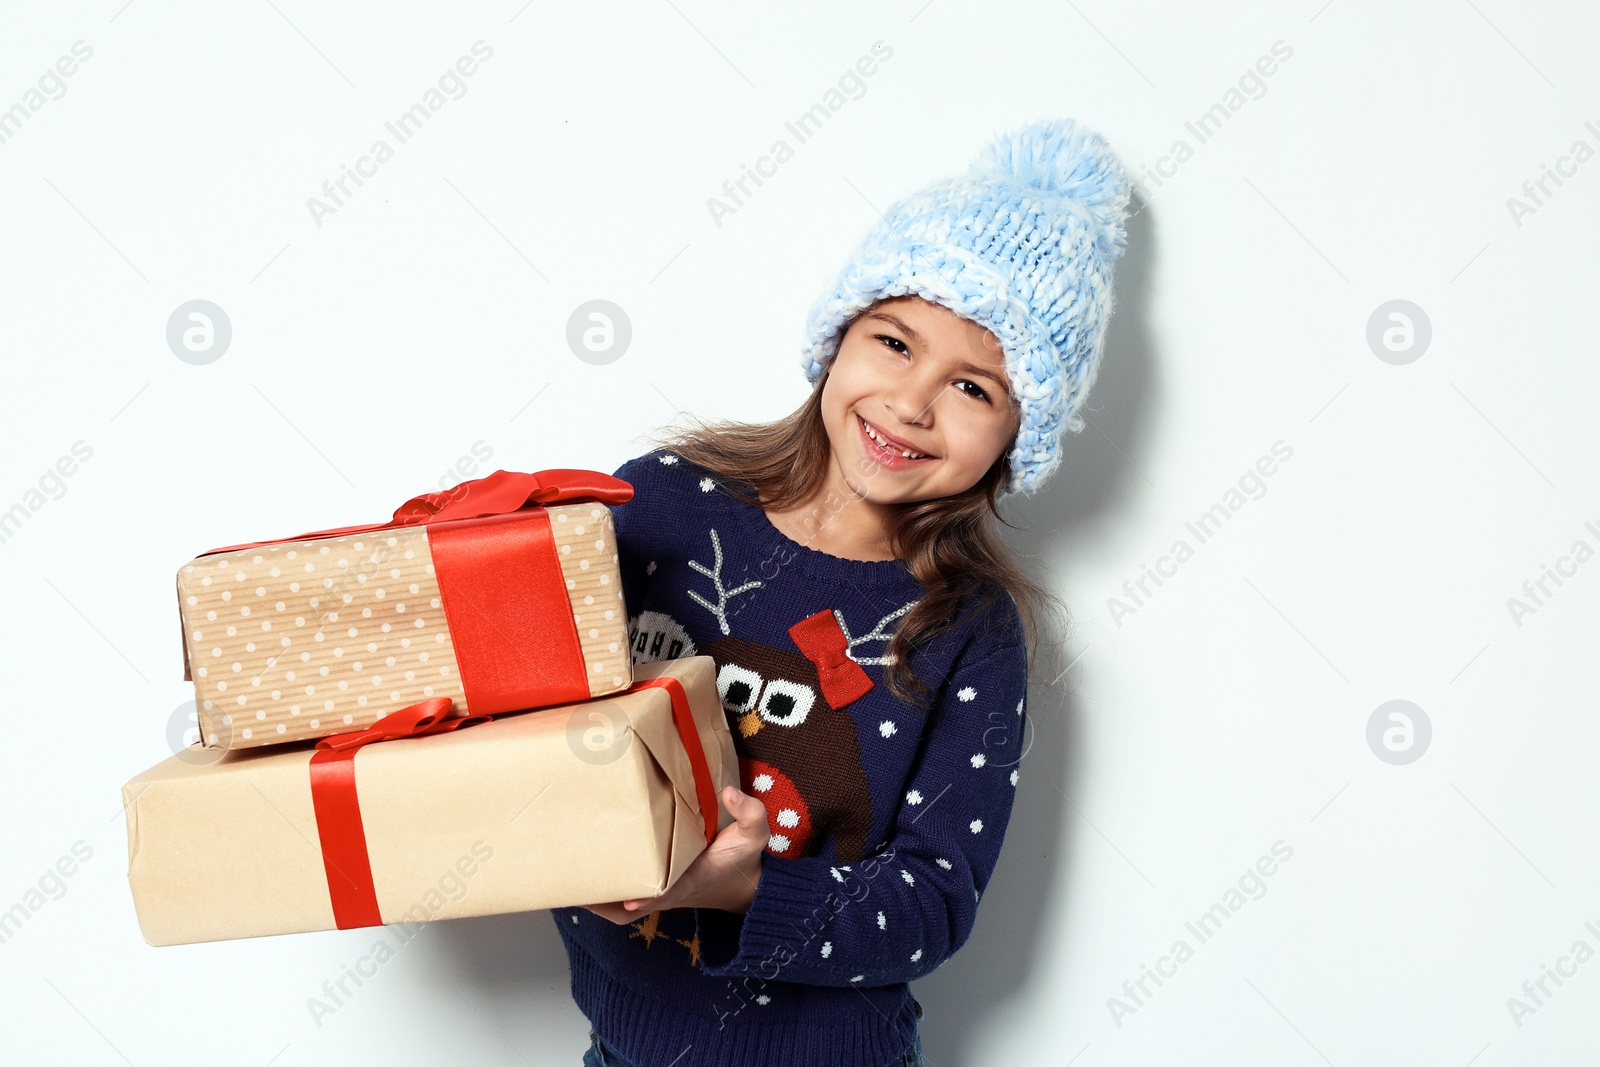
x=446 y=698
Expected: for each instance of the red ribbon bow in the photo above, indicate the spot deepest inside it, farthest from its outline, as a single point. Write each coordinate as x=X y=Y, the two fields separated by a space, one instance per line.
x=821 y=641
x=499 y=493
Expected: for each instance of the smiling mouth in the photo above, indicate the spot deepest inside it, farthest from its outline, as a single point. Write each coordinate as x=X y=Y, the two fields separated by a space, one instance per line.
x=887 y=449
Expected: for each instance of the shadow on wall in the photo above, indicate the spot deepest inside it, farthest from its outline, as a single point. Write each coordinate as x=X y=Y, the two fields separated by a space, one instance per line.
x=513 y=968
x=995 y=968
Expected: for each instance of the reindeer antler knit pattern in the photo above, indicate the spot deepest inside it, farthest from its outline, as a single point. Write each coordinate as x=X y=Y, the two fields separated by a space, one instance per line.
x=1022 y=244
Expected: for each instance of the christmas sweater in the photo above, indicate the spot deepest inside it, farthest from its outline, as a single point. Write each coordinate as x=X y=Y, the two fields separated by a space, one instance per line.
x=885 y=819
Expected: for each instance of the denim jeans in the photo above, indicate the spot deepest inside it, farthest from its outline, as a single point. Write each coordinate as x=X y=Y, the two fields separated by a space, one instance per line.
x=601 y=1054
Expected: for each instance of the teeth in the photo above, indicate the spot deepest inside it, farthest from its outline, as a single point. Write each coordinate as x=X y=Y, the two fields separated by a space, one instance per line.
x=890 y=448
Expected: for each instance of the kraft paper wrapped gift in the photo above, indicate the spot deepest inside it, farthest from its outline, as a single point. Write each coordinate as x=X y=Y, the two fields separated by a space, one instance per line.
x=578 y=804
x=502 y=594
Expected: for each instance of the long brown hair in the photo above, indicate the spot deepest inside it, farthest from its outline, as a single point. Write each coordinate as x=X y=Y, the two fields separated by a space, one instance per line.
x=951 y=545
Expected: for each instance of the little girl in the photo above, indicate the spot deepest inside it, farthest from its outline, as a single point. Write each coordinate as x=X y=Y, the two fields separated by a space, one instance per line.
x=842 y=568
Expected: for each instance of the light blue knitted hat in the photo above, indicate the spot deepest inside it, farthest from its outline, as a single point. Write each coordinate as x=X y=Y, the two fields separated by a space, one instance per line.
x=1023 y=244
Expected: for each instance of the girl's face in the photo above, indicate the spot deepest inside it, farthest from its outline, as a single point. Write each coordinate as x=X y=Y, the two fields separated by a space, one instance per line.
x=931 y=382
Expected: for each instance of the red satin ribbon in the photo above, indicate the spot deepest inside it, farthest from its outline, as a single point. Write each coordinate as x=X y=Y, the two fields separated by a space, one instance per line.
x=345 y=860
x=509 y=613
x=689 y=732
x=343 y=838
x=820 y=640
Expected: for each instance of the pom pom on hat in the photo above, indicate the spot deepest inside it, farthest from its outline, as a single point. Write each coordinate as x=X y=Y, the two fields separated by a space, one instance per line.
x=1067 y=160
x=1023 y=244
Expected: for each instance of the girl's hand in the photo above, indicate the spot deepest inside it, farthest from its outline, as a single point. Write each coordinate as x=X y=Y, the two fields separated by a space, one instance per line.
x=724 y=876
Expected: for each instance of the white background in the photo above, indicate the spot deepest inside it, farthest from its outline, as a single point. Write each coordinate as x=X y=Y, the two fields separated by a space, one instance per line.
x=1227 y=713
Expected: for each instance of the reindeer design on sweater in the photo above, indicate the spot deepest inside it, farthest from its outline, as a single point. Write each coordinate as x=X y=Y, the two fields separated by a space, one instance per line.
x=797 y=745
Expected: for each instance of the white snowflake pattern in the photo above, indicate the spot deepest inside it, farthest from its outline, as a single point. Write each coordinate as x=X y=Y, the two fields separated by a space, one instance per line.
x=886 y=728
x=827 y=949
x=837 y=877
x=941 y=861
x=763 y=1000
x=907 y=876
x=651 y=569
x=669 y=459
x=858 y=978
x=883 y=924
x=914 y=797
x=574 y=920
x=979 y=760
x=967 y=694
x=1019 y=705
x=707 y=484
x=917 y=955
x=976 y=825
x=1013 y=776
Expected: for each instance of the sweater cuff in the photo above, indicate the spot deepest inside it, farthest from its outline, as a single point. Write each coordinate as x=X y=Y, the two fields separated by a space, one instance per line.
x=772 y=932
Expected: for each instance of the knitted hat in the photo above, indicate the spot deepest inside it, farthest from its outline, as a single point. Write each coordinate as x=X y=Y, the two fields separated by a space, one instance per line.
x=1023 y=244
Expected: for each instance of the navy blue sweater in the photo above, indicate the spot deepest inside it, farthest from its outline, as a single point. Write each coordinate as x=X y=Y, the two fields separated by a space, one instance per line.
x=886 y=819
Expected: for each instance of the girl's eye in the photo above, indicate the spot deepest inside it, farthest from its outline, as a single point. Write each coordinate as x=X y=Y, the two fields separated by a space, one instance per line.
x=890 y=342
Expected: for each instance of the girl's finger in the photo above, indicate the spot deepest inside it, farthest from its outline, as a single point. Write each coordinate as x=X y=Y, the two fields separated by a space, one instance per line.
x=665 y=902
x=751 y=820
x=612 y=912
x=748 y=810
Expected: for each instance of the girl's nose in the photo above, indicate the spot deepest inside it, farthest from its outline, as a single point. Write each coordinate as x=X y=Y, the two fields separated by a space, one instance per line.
x=912 y=398
x=913 y=403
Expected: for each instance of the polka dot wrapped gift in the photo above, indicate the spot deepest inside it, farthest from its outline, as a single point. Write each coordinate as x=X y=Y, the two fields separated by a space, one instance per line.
x=501 y=593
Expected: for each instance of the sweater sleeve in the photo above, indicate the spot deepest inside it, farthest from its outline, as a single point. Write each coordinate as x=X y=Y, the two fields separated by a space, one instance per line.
x=900 y=913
